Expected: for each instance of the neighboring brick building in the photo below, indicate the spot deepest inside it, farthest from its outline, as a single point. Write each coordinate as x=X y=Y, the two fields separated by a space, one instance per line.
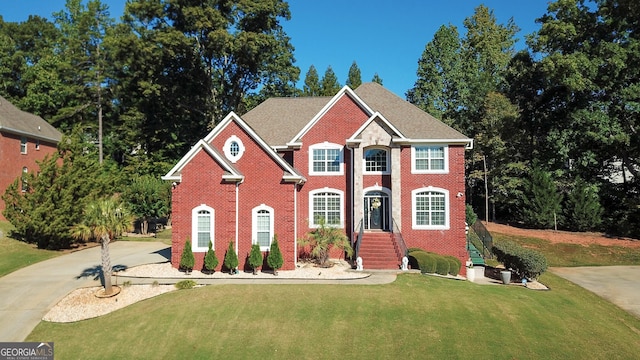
x=24 y=139
x=365 y=161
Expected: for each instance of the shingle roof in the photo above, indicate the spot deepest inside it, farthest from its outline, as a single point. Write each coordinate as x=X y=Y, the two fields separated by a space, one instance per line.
x=278 y=120
x=16 y=121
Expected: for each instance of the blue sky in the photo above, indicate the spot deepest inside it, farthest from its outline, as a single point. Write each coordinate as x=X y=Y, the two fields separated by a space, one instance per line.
x=382 y=36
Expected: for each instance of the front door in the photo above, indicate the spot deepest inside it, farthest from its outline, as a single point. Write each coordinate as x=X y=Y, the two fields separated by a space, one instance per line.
x=376 y=210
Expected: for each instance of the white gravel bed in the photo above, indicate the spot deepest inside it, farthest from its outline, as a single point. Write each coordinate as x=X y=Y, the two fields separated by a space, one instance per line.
x=339 y=270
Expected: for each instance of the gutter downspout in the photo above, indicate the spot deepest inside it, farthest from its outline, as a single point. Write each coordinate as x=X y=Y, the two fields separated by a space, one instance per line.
x=237 y=217
x=295 y=225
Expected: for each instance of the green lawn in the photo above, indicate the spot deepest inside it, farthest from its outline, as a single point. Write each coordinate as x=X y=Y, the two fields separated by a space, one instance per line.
x=163 y=236
x=416 y=317
x=575 y=254
x=16 y=254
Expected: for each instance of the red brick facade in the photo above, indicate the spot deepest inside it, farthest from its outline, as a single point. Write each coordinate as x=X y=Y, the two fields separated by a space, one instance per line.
x=14 y=159
x=278 y=177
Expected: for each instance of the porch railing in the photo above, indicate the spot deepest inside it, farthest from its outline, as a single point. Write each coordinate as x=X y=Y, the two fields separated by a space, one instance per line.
x=485 y=238
x=397 y=235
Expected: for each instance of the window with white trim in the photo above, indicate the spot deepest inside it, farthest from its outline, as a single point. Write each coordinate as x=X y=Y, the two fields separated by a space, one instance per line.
x=233 y=148
x=23 y=145
x=430 y=208
x=262 y=226
x=202 y=218
x=326 y=159
x=376 y=160
x=429 y=159
x=325 y=205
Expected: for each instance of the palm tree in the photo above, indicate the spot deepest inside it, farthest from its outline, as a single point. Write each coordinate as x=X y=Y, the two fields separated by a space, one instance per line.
x=104 y=219
x=322 y=239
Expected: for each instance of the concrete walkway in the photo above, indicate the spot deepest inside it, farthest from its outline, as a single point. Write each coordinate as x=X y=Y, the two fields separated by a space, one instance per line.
x=617 y=284
x=29 y=293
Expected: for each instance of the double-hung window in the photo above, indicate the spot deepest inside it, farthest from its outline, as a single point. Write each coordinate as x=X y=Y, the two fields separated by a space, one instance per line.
x=430 y=208
x=263 y=226
x=429 y=159
x=202 y=218
x=326 y=207
x=23 y=145
x=325 y=159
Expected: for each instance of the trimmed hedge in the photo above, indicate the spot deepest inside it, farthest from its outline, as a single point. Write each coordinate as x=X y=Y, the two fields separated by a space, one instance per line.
x=426 y=262
x=525 y=263
x=454 y=265
x=442 y=265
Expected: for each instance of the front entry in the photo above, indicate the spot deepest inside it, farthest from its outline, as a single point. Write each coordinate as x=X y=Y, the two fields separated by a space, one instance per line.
x=376 y=211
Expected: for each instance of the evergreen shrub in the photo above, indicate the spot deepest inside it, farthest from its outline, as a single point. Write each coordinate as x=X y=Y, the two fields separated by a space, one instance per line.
x=231 y=259
x=185 y=284
x=210 y=259
x=255 y=258
x=525 y=263
x=274 y=259
x=442 y=265
x=454 y=265
x=187 y=260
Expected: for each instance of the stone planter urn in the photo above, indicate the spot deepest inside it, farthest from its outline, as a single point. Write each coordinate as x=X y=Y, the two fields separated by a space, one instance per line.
x=505 y=275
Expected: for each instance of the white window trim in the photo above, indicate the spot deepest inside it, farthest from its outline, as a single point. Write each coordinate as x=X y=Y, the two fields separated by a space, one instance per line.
x=312 y=193
x=254 y=225
x=326 y=146
x=429 y=171
x=226 y=149
x=447 y=209
x=194 y=228
x=24 y=144
x=364 y=161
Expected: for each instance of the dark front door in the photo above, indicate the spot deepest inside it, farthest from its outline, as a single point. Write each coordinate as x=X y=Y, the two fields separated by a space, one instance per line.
x=376 y=211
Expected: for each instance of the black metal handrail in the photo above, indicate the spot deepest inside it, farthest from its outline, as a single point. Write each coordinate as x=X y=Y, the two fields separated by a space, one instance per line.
x=397 y=235
x=485 y=238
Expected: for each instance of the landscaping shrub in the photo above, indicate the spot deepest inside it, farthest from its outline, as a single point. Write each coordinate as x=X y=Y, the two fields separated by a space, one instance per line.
x=274 y=259
x=454 y=265
x=210 y=259
x=231 y=259
x=425 y=261
x=185 y=284
x=442 y=265
x=255 y=258
x=187 y=260
x=525 y=263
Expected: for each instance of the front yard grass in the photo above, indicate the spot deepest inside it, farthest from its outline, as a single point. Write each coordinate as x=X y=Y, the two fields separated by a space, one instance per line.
x=564 y=254
x=415 y=317
x=16 y=254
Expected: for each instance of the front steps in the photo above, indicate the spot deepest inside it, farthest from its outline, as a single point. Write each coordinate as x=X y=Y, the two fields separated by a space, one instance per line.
x=378 y=251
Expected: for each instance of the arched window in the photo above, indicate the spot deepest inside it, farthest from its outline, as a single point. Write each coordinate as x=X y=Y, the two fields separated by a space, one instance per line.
x=430 y=208
x=202 y=218
x=376 y=160
x=325 y=205
x=262 y=226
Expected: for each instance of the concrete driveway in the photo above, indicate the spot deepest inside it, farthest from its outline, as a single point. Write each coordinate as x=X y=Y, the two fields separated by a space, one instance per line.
x=617 y=284
x=29 y=293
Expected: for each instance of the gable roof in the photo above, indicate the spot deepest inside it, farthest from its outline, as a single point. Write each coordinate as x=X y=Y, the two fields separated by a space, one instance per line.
x=289 y=173
x=282 y=121
x=16 y=121
x=231 y=173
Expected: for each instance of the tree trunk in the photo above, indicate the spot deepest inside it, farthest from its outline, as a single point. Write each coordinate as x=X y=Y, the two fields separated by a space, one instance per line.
x=106 y=264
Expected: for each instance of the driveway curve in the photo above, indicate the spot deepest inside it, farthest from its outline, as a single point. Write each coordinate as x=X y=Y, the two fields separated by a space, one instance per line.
x=617 y=284
x=29 y=293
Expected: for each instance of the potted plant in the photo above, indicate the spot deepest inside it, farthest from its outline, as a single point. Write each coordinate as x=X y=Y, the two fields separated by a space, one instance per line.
x=274 y=259
x=210 y=259
x=231 y=259
x=187 y=260
x=255 y=258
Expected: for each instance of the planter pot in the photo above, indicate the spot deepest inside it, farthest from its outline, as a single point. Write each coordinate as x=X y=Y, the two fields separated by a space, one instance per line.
x=471 y=274
x=505 y=275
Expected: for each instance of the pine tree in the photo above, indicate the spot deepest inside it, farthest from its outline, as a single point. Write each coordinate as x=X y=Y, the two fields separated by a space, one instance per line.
x=231 y=259
x=312 y=85
x=210 y=259
x=376 y=79
x=187 y=260
x=329 y=84
x=255 y=258
x=583 y=209
x=354 y=79
x=542 y=202
x=274 y=259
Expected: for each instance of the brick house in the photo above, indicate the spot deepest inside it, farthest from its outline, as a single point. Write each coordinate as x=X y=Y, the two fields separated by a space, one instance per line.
x=24 y=139
x=365 y=161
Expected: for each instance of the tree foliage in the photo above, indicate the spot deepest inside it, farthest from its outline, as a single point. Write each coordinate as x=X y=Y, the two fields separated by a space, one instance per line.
x=210 y=259
x=149 y=198
x=187 y=260
x=255 y=258
x=231 y=258
x=354 y=78
x=542 y=202
x=312 y=85
x=583 y=211
x=322 y=239
x=329 y=84
x=274 y=258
